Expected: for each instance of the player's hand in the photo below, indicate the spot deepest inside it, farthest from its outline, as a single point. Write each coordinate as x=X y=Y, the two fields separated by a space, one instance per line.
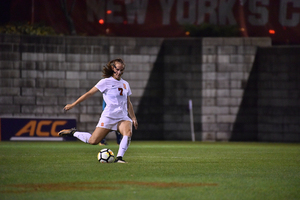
x=68 y=107
x=135 y=123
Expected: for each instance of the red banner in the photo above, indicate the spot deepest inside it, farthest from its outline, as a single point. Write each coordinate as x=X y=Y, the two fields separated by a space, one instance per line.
x=278 y=19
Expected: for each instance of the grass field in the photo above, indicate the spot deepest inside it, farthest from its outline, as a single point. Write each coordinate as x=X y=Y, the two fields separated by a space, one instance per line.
x=155 y=170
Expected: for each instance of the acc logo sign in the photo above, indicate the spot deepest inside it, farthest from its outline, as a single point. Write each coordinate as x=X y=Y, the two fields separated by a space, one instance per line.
x=33 y=128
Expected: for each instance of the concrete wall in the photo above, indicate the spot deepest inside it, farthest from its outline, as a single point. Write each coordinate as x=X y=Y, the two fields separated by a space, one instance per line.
x=176 y=77
x=226 y=65
x=271 y=99
x=278 y=94
x=270 y=107
x=39 y=75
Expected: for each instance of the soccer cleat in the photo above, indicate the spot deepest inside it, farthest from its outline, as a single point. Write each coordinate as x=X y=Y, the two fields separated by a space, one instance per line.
x=67 y=132
x=120 y=160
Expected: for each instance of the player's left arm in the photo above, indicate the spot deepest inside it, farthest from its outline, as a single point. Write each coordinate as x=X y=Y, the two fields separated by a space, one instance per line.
x=131 y=113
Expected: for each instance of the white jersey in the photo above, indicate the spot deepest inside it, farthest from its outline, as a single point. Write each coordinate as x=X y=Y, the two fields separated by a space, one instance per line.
x=115 y=93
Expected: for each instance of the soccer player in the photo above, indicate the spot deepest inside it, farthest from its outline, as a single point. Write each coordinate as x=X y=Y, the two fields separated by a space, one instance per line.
x=116 y=92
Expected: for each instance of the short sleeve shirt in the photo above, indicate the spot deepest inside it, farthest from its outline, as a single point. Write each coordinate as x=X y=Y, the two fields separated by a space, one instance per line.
x=115 y=93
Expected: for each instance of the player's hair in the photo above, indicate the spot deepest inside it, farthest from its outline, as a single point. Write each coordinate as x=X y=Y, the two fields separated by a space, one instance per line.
x=107 y=70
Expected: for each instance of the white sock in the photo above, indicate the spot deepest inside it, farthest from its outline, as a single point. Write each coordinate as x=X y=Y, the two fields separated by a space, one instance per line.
x=83 y=136
x=124 y=145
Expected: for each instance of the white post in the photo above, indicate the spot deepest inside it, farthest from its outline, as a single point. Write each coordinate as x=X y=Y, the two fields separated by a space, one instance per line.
x=192 y=120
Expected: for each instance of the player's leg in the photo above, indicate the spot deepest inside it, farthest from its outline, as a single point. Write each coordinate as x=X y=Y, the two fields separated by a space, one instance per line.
x=125 y=128
x=98 y=134
x=86 y=137
x=119 y=137
x=83 y=136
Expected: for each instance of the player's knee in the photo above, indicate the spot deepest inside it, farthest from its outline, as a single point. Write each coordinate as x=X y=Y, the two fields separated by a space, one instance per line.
x=93 y=141
x=127 y=133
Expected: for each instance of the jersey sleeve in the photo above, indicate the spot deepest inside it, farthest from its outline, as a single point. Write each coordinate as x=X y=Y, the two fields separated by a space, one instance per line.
x=101 y=85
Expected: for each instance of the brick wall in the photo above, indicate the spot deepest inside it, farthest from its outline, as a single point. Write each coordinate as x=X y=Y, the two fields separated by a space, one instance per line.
x=226 y=65
x=270 y=107
x=278 y=94
x=176 y=77
x=39 y=75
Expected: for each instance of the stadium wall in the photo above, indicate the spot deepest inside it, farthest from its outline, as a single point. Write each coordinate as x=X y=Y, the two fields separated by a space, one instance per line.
x=269 y=110
x=39 y=75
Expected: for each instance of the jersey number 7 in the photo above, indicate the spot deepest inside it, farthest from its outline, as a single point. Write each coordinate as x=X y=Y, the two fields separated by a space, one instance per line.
x=121 y=91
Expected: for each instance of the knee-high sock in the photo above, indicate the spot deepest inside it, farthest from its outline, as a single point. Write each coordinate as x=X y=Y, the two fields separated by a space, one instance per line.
x=124 y=145
x=83 y=136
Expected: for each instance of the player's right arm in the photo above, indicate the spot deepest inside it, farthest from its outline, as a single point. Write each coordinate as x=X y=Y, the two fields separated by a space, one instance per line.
x=85 y=96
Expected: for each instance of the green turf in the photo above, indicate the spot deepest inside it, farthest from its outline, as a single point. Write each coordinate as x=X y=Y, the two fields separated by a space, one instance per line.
x=156 y=170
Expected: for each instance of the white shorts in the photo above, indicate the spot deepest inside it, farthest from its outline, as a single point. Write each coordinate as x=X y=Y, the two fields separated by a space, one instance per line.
x=112 y=124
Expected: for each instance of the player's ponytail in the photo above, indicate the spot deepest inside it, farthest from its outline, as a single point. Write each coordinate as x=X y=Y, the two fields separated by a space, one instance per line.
x=107 y=70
